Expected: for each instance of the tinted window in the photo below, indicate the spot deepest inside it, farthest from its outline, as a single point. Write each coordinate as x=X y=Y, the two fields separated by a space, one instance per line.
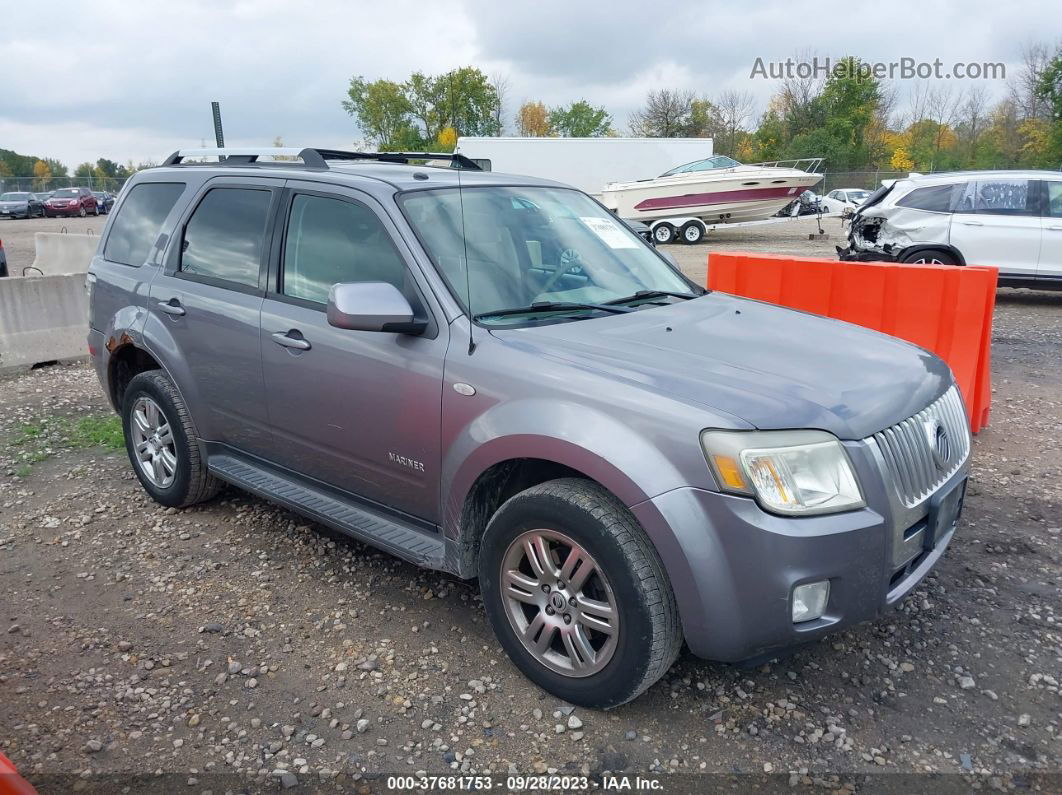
x=330 y=242
x=998 y=197
x=936 y=199
x=136 y=227
x=225 y=235
x=1054 y=199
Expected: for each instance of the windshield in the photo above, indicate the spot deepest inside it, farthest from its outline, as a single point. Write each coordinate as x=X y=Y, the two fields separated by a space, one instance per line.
x=67 y=192
x=858 y=195
x=528 y=245
x=719 y=161
x=14 y=197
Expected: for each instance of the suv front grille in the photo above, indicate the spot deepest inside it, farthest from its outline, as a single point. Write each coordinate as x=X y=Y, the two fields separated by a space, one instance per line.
x=909 y=448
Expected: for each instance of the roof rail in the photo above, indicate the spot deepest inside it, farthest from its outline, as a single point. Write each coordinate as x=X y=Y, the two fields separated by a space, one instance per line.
x=313 y=158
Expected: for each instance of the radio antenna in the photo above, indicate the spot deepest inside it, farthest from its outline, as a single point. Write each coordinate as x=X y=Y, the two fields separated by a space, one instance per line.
x=464 y=239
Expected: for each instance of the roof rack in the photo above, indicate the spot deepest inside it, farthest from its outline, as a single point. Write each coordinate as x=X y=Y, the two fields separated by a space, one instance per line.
x=311 y=157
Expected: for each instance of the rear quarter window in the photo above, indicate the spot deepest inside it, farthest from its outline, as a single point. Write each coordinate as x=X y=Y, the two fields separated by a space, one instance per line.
x=137 y=224
x=935 y=199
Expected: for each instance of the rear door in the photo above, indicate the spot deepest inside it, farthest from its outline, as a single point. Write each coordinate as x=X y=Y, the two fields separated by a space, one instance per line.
x=997 y=222
x=1051 y=248
x=206 y=303
x=358 y=410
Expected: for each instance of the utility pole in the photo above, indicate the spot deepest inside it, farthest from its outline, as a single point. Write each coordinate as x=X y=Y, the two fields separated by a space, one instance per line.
x=219 y=136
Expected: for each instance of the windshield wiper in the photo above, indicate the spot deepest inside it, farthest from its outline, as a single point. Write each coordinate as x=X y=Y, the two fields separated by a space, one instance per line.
x=550 y=306
x=651 y=294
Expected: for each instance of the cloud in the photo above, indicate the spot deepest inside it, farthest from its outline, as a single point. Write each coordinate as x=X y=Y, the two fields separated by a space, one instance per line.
x=135 y=80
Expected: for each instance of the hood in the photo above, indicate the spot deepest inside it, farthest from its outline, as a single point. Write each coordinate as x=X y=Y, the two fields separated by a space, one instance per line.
x=773 y=367
x=19 y=203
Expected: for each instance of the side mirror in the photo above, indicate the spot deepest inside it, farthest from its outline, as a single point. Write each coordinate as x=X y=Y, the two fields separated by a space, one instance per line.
x=371 y=306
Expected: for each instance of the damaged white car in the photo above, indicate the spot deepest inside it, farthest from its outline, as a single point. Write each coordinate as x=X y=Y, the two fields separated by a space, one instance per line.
x=1010 y=219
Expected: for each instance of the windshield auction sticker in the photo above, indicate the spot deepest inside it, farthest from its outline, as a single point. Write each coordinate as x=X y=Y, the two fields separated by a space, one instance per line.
x=609 y=232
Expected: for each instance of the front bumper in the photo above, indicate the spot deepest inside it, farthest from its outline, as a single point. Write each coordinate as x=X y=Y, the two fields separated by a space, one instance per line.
x=734 y=567
x=851 y=254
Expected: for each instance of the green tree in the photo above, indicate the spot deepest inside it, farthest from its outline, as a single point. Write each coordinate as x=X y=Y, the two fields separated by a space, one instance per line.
x=1049 y=89
x=56 y=168
x=580 y=119
x=382 y=110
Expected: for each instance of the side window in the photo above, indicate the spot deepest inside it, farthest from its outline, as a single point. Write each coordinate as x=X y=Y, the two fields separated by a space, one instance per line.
x=1054 y=199
x=225 y=235
x=936 y=198
x=136 y=227
x=1002 y=197
x=330 y=241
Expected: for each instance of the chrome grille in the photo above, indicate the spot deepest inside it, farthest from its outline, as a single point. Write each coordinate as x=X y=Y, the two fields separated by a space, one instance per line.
x=911 y=449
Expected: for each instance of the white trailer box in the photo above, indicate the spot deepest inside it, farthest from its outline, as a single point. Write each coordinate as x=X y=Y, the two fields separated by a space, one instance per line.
x=585 y=163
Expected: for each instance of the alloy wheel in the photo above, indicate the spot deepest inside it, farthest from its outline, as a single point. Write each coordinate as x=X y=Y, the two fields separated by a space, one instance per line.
x=153 y=443
x=560 y=603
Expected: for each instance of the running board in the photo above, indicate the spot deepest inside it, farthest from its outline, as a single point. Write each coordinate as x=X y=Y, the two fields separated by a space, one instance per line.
x=358 y=521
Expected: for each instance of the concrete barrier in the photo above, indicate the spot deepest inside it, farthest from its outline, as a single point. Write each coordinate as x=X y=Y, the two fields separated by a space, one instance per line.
x=59 y=253
x=42 y=319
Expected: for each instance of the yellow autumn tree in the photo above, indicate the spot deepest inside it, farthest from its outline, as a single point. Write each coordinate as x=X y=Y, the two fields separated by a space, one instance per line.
x=901 y=159
x=447 y=139
x=42 y=175
x=532 y=120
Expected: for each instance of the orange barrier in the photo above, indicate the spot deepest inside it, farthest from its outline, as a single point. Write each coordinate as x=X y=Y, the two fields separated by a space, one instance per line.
x=11 y=783
x=945 y=309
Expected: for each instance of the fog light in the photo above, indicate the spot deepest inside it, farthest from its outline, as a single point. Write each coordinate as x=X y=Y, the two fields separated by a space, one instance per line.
x=809 y=601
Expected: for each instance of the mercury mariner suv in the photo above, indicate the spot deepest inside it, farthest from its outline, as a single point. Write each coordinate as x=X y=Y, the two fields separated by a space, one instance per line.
x=493 y=376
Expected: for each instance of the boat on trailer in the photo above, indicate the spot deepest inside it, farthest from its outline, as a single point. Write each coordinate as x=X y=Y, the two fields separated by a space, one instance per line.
x=712 y=191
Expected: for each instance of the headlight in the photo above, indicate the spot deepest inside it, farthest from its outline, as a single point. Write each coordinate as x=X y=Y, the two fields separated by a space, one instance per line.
x=791 y=472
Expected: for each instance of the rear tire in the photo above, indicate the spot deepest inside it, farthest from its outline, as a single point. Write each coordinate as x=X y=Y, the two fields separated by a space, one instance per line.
x=581 y=651
x=930 y=256
x=161 y=442
x=663 y=233
x=692 y=232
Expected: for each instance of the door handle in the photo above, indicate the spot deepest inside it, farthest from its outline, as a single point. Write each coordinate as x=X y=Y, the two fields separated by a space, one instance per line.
x=285 y=339
x=971 y=223
x=1055 y=228
x=171 y=307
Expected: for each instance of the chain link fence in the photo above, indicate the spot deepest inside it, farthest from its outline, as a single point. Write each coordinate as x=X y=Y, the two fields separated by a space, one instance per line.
x=867 y=180
x=36 y=185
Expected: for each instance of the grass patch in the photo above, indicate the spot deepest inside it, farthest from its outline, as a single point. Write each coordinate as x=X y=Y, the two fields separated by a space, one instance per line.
x=36 y=441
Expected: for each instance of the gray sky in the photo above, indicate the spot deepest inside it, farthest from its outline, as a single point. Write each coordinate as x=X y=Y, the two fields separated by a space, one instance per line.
x=134 y=80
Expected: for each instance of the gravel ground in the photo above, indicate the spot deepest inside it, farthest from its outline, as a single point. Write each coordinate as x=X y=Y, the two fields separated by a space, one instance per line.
x=235 y=647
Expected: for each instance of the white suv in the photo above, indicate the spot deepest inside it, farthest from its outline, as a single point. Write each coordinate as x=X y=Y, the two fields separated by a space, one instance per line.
x=1010 y=219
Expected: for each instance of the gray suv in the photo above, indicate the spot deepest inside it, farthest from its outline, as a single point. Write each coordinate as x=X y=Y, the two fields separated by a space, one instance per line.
x=493 y=376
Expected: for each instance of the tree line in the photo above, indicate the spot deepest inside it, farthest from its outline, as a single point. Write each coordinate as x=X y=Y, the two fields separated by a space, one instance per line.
x=44 y=173
x=852 y=119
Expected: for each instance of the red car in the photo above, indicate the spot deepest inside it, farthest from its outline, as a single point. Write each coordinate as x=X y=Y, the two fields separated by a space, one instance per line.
x=71 y=201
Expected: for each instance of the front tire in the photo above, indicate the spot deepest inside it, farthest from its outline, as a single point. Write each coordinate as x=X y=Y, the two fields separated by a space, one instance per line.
x=81 y=211
x=161 y=442
x=576 y=594
x=930 y=256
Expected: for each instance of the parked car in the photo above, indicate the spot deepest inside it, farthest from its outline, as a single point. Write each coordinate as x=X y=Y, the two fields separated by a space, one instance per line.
x=493 y=376
x=19 y=205
x=844 y=201
x=43 y=197
x=71 y=201
x=1010 y=219
x=104 y=200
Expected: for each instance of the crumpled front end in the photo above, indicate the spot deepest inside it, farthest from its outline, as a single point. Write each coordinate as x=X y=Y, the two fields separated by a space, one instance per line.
x=883 y=233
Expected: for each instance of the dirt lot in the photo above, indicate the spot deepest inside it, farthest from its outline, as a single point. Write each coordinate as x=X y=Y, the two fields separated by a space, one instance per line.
x=234 y=647
x=17 y=235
